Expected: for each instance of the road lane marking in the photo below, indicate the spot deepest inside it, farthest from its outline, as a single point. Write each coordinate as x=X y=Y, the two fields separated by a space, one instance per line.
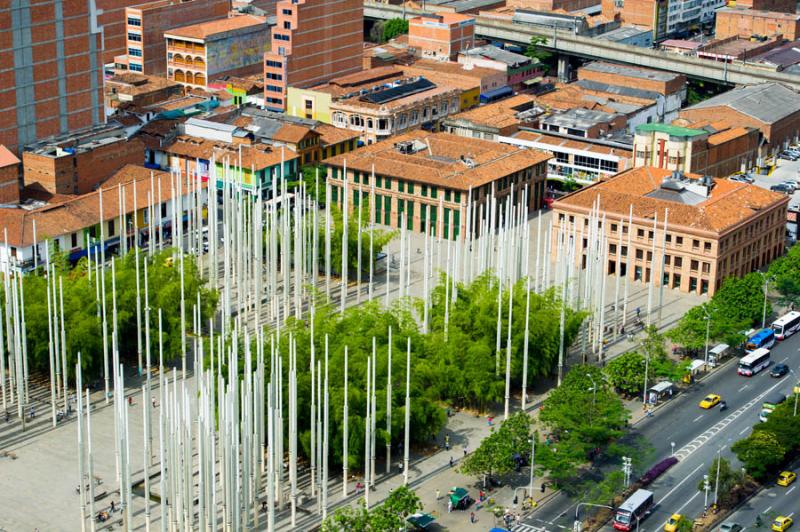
x=790 y=490
x=745 y=430
x=767 y=510
x=698 y=418
x=678 y=485
x=743 y=387
x=680 y=509
x=791 y=514
x=699 y=441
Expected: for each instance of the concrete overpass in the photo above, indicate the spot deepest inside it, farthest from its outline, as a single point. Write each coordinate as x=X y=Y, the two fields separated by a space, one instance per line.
x=566 y=43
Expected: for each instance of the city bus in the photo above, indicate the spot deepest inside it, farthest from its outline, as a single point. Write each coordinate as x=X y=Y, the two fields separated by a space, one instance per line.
x=633 y=510
x=786 y=325
x=765 y=338
x=754 y=362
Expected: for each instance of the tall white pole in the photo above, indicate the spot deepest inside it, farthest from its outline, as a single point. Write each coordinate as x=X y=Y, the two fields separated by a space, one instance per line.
x=407 y=413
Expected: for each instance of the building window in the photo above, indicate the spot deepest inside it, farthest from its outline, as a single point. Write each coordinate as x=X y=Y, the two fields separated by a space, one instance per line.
x=133 y=21
x=639 y=254
x=137 y=52
x=136 y=37
x=640 y=233
x=74 y=240
x=276 y=77
x=274 y=88
x=287 y=25
x=135 y=67
x=111 y=228
x=281 y=37
x=693 y=265
x=706 y=267
x=704 y=286
x=678 y=240
x=707 y=247
x=695 y=244
x=678 y=262
x=692 y=284
x=274 y=64
x=287 y=12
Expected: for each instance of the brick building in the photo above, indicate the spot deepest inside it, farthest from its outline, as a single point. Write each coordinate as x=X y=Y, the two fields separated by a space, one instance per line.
x=772 y=108
x=9 y=176
x=232 y=46
x=312 y=42
x=442 y=36
x=77 y=162
x=782 y=6
x=555 y=5
x=145 y=26
x=716 y=228
x=138 y=90
x=51 y=75
x=493 y=120
x=715 y=149
x=426 y=178
x=664 y=17
x=733 y=21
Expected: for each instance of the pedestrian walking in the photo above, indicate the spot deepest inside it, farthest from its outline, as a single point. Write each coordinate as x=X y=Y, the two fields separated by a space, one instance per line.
x=465 y=449
x=451 y=461
x=33 y=412
x=154 y=401
x=449 y=506
x=481 y=495
x=112 y=507
x=472 y=517
x=638 y=311
x=438 y=494
x=447 y=442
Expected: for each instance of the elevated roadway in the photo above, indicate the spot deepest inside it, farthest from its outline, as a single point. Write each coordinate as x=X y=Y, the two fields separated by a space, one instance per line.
x=567 y=43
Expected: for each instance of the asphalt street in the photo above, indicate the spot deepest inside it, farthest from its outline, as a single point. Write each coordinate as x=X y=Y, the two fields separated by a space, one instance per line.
x=697 y=435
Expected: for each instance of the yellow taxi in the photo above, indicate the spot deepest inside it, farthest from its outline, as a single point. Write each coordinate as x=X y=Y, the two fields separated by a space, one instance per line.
x=786 y=478
x=673 y=523
x=709 y=401
x=781 y=523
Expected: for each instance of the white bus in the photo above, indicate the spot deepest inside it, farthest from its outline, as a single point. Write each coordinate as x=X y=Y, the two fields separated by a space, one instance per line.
x=786 y=325
x=754 y=362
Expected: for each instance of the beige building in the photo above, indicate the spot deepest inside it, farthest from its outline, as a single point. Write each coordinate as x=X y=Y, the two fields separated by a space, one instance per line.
x=716 y=228
x=426 y=178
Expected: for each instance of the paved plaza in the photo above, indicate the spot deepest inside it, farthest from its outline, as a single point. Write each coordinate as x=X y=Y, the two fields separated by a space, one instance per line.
x=40 y=471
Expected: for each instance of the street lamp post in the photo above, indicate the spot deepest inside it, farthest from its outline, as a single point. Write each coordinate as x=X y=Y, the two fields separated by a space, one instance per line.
x=708 y=330
x=706 y=487
x=533 y=463
x=672 y=445
x=716 y=482
x=764 y=312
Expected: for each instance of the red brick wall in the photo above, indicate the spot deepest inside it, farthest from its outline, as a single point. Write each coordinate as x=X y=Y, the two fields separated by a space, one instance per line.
x=782 y=6
x=746 y=23
x=45 y=111
x=775 y=133
x=662 y=87
x=9 y=184
x=82 y=173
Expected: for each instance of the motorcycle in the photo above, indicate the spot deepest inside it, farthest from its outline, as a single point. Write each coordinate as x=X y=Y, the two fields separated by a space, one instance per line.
x=723 y=406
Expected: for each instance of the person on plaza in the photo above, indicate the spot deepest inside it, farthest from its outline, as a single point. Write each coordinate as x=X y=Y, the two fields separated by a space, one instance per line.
x=112 y=507
x=447 y=442
x=465 y=449
x=472 y=517
x=481 y=495
x=438 y=494
x=451 y=461
x=449 y=506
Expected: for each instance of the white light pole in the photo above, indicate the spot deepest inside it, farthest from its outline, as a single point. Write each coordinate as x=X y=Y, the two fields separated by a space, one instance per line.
x=708 y=330
x=716 y=482
x=766 y=288
x=672 y=445
x=646 y=369
x=533 y=462
x=706 y=487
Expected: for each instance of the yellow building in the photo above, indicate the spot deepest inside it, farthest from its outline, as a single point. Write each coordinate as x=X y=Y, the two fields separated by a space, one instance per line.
x=309 y=103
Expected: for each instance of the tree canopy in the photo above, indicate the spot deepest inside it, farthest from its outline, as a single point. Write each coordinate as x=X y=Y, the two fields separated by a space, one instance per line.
x=390 y=515
x=497 y=453
x=394 y=27
x=729 y=478
x=786 y=272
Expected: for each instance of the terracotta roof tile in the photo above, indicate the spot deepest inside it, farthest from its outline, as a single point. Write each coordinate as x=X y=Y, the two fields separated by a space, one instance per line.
x=258 y=156
x=79 y=212
x=291 y=133
x=440 y=164
x=499 y=114
x=729 y=204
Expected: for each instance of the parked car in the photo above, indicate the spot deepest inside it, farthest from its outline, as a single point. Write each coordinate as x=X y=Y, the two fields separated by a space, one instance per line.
x=782 y=188
x=738 y=178
x=730 y=527
x=792 y=184
x=779 y=370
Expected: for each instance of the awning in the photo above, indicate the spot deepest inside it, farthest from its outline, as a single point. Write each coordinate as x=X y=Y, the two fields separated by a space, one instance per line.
x=496 y=93
x=696 y=364
x=533 y=81
x=661 y=387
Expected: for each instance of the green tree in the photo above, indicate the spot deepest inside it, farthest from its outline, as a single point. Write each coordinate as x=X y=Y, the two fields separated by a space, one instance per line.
x=626 y=373
x=495 y=454
x=392 y=514
x=536 y=49
x=348 y=519
x=376 y=32
x=786 y=271
x=784 y=425
x=583 y=414
x=729 y=478
x=760 y=453
x=394 y=27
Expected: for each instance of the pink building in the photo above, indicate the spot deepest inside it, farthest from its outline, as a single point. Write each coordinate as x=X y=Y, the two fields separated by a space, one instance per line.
x=441 y=36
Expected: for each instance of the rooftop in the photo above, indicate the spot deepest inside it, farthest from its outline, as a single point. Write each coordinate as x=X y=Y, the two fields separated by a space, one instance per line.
x=501 y=114
x=217 y=28
x=630 y=71
x=443 y=18
x=498 y=54
x=623 y=32
x=579 y=118
x=133 y=83
x=597 y=96
x=352 y=84
x=590 y=145
x=759 y=13
x=669 y=129
x=732 y=47
x=782 y=56
x=257 y=156
x=766 y=102
x=681 y=43
x=79 y=140
x=71 y=214
x=651 y=191
x=440 y=159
